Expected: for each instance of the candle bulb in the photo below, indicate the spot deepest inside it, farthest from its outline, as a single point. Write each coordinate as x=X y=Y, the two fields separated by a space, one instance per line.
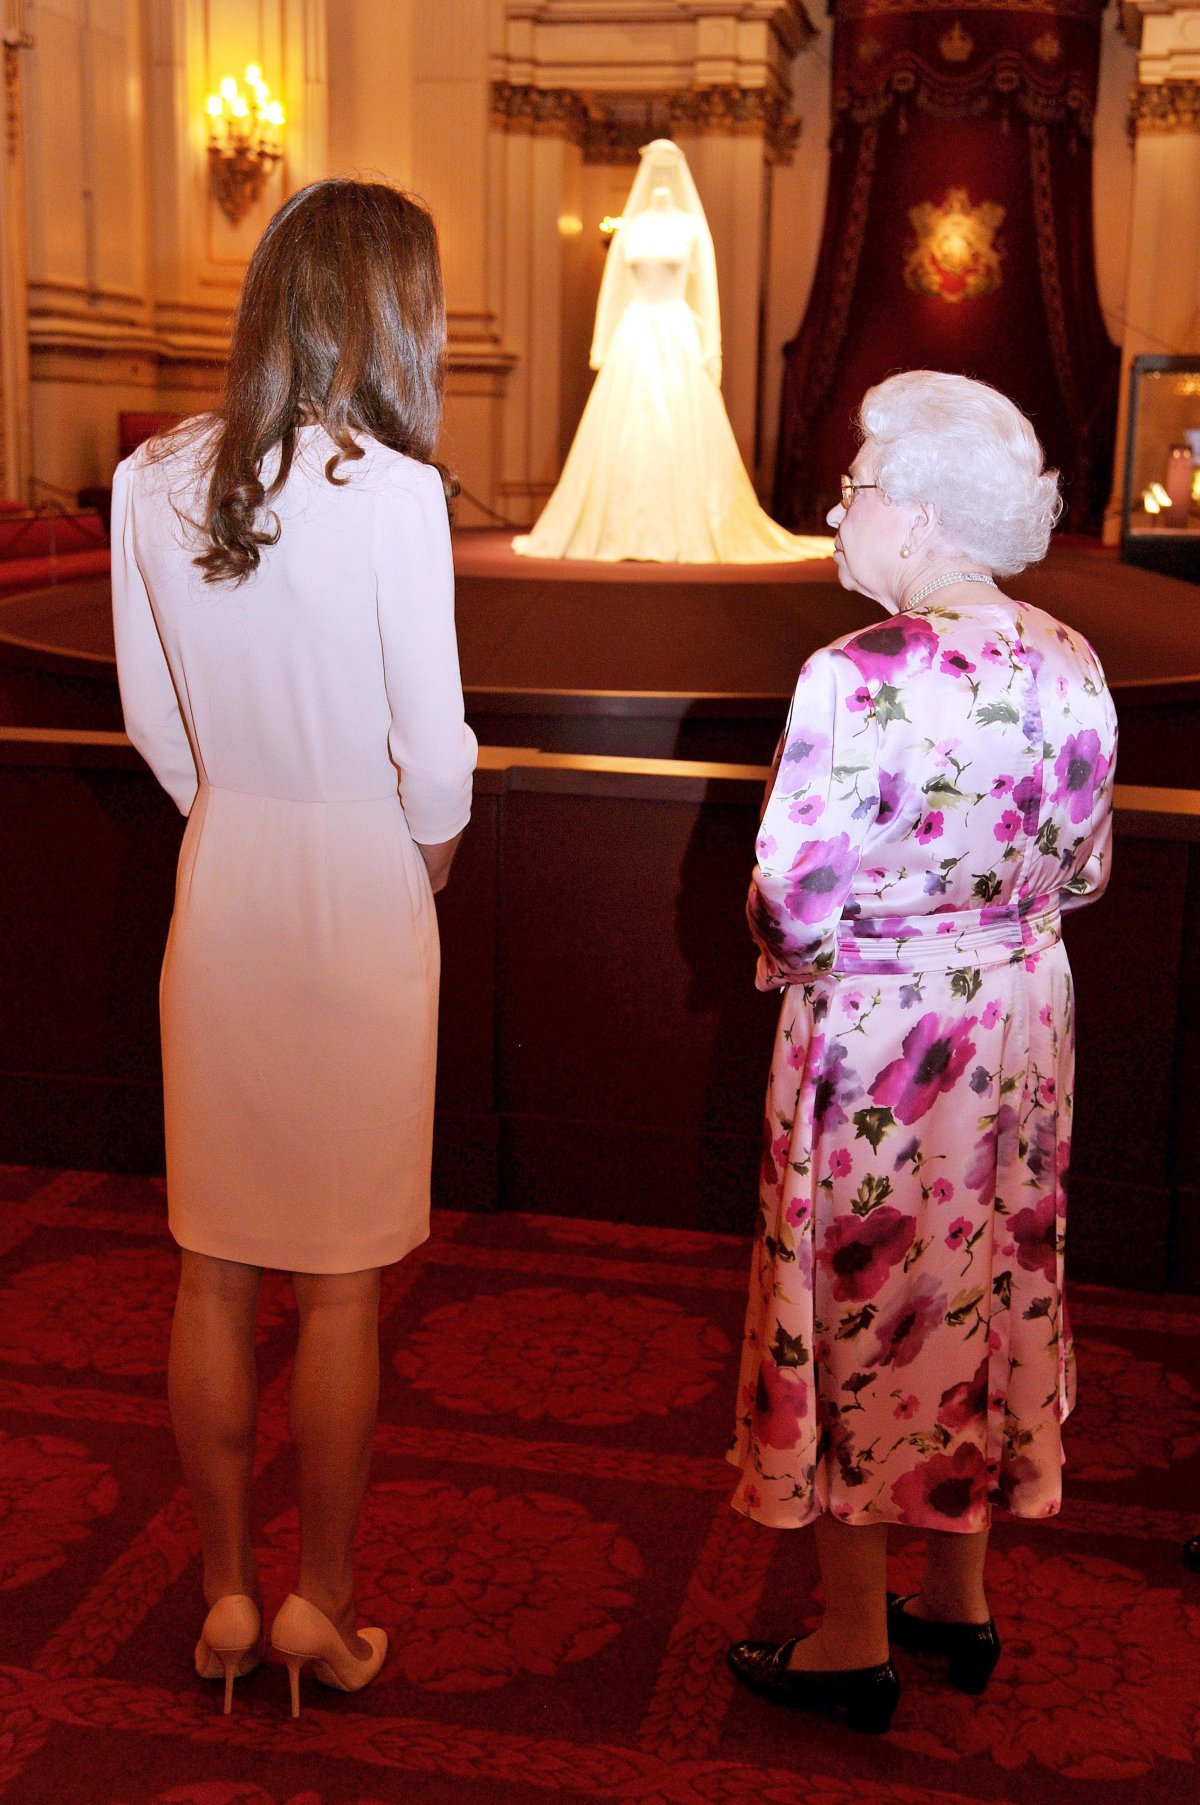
x=1178 y=485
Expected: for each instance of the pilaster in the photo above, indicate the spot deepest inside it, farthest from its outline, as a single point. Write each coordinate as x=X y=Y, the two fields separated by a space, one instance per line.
x=15 y=456
x=1162 y=302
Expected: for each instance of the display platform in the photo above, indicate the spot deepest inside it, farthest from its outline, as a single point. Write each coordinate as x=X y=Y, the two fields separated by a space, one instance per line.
x=668 y=660
x=747 y=628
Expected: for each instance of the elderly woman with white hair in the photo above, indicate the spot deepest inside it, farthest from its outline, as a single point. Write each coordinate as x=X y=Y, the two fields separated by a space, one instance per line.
x=941 y=795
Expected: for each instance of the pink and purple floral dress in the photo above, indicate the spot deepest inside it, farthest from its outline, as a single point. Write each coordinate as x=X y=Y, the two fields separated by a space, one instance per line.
x=942 y=793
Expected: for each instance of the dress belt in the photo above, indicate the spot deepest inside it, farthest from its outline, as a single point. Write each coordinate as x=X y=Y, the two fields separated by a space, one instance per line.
x=996 y=935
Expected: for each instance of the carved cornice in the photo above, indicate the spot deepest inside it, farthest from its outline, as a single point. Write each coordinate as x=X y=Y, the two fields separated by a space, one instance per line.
x=1134 y=12
x=789 y=20
x=539 y=112
x=1164 y=108
x=605 y=136
x=729 y=112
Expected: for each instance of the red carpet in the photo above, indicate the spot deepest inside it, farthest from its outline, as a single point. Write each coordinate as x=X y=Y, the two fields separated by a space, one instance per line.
x=549 y=1542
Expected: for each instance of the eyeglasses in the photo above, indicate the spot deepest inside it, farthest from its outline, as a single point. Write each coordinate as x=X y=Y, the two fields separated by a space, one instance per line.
x=850 y=489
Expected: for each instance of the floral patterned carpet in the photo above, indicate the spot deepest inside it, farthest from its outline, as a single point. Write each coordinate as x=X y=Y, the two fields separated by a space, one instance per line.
x=549 y=1541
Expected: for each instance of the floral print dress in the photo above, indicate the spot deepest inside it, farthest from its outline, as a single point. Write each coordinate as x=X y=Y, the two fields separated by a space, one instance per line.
x=942 y=792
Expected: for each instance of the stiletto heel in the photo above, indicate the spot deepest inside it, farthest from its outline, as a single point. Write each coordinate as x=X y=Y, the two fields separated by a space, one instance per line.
x=229 y=1663
x=971 y=1649
x=302 y=1633
x=230 y=1643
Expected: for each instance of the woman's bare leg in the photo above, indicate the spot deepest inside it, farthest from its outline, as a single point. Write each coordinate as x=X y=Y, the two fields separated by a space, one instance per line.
x=853 y=1632
x=952 y=1589
x=335 y=1395
x=213 y=1389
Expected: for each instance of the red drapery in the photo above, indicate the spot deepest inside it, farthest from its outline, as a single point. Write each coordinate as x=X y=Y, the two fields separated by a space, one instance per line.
x=958 y=234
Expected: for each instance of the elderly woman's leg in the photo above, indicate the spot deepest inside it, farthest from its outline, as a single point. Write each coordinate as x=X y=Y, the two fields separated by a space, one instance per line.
x=335 y=1394
x=853 y=1632
x=949 y=1615
x=845 y=1662
x=952 y=1588
x=213 y=1390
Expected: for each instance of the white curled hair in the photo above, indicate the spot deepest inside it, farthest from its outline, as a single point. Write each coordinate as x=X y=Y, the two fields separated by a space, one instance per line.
x=965 y=449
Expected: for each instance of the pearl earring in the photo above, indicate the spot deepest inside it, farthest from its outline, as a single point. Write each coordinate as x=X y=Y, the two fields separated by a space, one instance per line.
x=906 y=551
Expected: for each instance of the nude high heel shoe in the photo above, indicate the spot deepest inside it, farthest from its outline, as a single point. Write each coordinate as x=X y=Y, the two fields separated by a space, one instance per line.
x=230 y=1643
x=302 y=1633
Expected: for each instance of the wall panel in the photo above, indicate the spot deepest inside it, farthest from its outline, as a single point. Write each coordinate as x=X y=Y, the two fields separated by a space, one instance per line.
x=55 y=155
x=370 y=76
x=116 y=152
x=451 y=152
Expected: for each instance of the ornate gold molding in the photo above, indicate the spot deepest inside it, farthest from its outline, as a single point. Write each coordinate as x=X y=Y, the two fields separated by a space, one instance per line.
x=539 y=112
x=731 y=112
x=14 y=43
x=607 y=136
x=1163 y=108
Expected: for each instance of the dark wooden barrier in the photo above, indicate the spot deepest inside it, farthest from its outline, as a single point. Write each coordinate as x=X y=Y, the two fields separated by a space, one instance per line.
x=604 y=1051
x=1160 y=725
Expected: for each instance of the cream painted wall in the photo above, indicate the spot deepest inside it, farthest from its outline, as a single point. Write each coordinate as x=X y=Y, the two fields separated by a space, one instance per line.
x=1161 y=302
x=15 y=438
x=370 y=77
x=797 y=218
x=603 y=188
x=1112 y=171
x=86 y=213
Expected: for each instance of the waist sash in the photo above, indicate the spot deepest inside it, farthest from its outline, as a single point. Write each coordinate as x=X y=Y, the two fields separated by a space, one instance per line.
x=1000 y=934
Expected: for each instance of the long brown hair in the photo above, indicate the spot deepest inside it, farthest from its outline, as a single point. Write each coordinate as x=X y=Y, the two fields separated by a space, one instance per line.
x=342 y=320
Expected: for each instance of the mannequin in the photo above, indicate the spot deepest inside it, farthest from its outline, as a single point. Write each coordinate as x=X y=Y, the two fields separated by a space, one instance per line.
x=654 y=471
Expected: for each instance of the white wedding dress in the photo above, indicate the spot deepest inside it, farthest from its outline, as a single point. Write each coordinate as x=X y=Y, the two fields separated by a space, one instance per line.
x=654 y=471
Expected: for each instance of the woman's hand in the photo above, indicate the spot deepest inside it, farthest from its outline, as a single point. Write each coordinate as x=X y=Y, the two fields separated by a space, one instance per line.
x=438 y=860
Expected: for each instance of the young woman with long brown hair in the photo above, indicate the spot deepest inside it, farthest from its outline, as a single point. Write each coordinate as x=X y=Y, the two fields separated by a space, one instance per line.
x=283 y=600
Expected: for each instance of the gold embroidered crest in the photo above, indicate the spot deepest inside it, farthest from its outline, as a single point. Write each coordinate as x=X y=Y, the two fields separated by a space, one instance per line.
x=955 y=256
x=1047 y=47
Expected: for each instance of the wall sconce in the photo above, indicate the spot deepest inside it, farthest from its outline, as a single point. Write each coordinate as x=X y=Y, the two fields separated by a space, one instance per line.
x=245 y=132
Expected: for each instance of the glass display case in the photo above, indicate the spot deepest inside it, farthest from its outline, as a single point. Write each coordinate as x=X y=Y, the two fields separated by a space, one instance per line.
x=1160 y=516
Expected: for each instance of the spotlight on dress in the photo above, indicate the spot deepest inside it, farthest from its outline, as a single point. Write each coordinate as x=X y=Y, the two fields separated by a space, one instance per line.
x=654 y=472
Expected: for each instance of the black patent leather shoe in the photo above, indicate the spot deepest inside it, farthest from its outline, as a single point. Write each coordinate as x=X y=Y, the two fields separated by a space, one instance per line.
x=867 y=1695
x=972 y=1649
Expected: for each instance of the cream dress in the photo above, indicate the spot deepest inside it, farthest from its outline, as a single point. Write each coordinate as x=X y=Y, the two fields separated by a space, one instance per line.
x=654 y=471
x=310 y=725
